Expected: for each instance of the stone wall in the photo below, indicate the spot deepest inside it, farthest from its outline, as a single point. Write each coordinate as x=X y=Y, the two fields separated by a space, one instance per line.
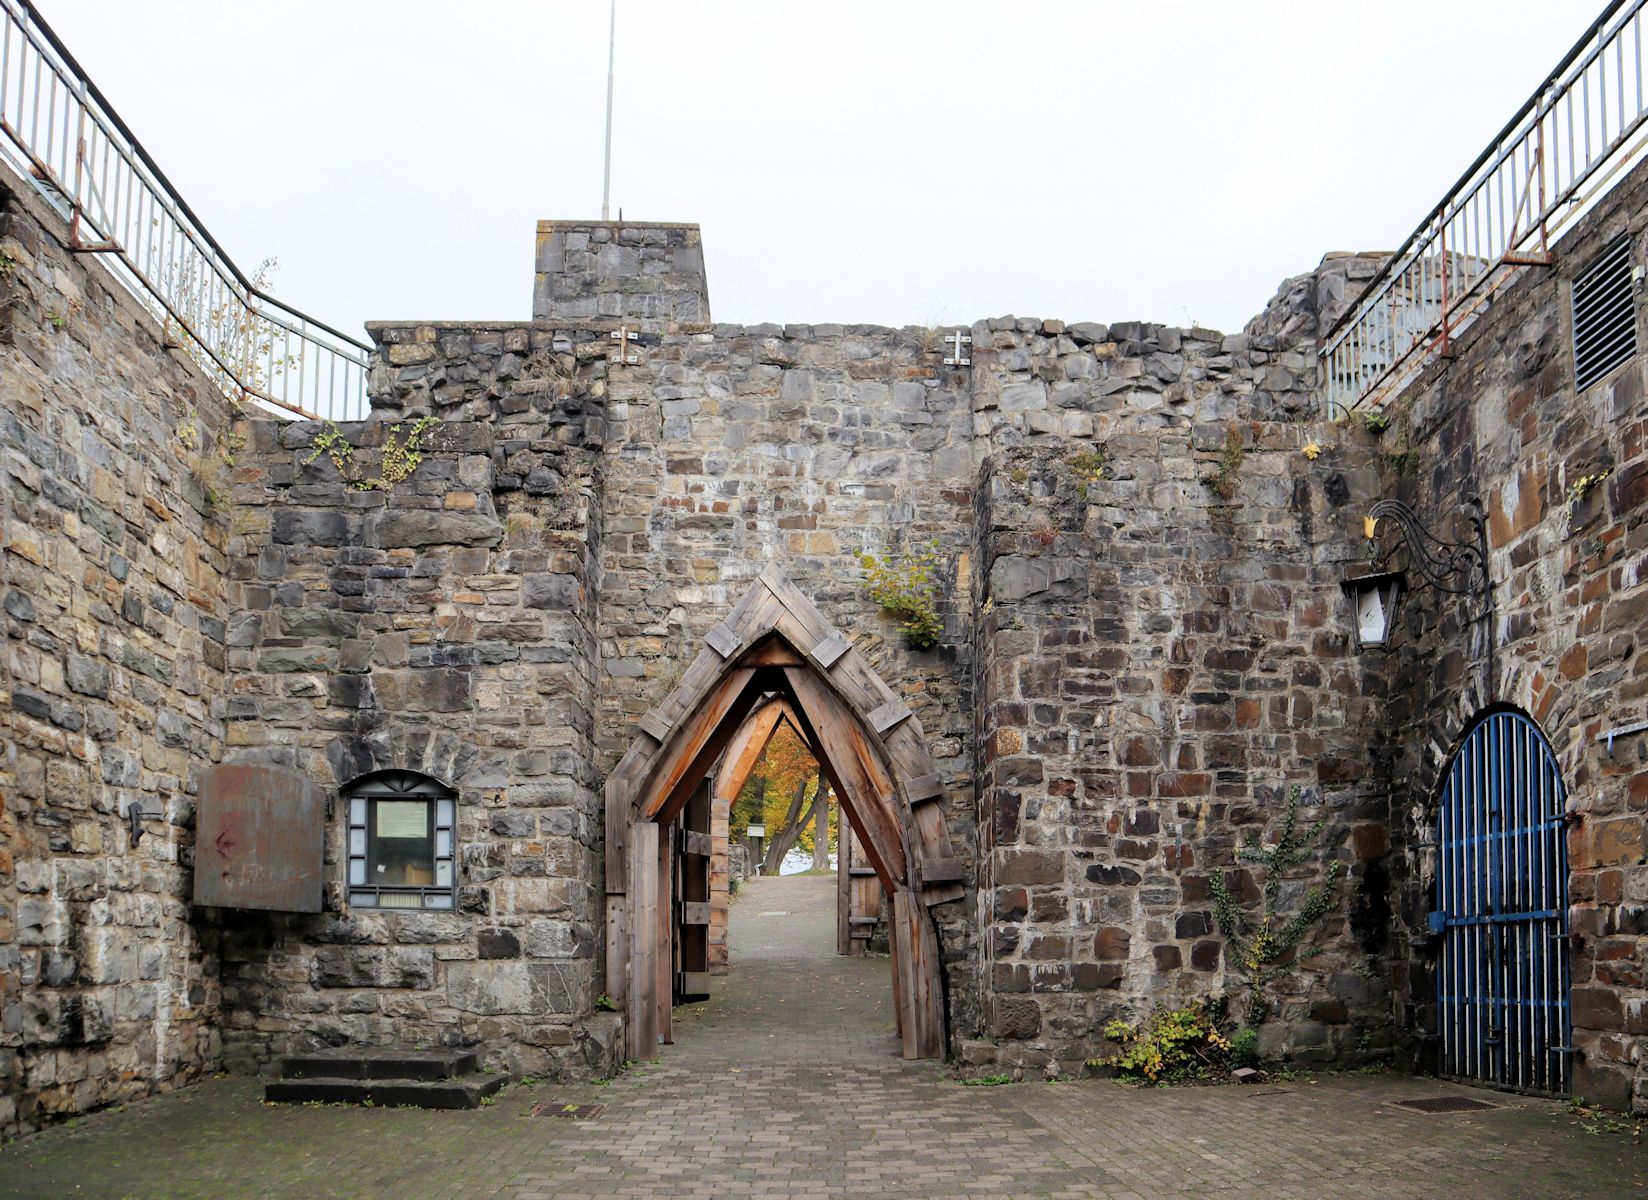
x=115 y=608
x=1141 y=671
x=1139 y=533
x=645 y=275
x=445 y=625
x=733 y=447
x=1502 y=421
x=1161 y=658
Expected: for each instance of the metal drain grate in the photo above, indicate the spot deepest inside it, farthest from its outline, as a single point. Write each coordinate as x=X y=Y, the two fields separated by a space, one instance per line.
x=1444 y=1104
x=570 y=1112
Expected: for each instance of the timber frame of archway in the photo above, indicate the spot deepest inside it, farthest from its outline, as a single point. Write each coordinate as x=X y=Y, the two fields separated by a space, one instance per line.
x=775 y=643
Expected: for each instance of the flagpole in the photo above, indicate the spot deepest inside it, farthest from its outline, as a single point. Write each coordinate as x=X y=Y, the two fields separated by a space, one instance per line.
x=606 y=169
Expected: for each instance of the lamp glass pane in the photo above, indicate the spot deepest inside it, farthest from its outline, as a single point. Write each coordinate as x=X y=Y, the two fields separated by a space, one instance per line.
x=1371 y=616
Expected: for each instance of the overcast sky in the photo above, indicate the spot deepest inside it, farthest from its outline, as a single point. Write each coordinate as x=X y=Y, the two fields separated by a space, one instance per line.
x=887 y=162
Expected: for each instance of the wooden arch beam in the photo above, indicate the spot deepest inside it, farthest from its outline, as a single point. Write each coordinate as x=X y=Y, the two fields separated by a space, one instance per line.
x=750 y=742
x=861 y=782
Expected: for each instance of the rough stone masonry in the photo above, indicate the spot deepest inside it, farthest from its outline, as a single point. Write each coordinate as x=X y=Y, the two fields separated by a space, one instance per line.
x=1142 y=530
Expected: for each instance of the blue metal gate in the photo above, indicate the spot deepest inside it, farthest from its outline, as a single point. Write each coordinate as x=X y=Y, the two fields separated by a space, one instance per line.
x=1502 y=891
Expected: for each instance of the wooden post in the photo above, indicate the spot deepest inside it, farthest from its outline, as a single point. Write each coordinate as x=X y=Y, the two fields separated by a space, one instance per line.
x=663 y=988
x=642 y=1003
x=843 y=886
x=720 y=882
x=916 y=957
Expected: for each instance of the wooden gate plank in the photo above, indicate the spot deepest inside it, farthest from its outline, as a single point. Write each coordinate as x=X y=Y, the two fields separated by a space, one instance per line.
x=920 y=988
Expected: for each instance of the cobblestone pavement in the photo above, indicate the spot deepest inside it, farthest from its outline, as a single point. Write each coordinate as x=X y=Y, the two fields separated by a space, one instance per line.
x=787 y=1083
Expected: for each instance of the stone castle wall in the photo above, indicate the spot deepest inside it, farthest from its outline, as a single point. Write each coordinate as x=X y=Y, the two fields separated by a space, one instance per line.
x=1502 y=421
x=444 y=625
x=1139 y=533
x=1161 y=659
x=115 y=609
x=661 y=486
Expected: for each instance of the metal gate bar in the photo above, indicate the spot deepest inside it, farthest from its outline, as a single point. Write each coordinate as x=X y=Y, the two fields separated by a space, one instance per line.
x=1502 y=984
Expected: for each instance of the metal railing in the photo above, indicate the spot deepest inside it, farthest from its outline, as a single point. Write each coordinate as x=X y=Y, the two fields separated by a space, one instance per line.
x=61 y=133
x=1562 y=150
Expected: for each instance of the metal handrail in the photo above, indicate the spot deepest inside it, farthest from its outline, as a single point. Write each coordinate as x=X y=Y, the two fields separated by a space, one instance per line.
x=1579 y=128
x=64 y=135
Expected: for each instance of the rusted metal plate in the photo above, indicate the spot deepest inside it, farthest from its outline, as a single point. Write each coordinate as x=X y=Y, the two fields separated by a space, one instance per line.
x=569 y=1112
x=259 y=839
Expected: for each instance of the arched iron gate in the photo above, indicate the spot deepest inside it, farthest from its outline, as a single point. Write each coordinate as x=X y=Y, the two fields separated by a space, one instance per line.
x=1502 y=891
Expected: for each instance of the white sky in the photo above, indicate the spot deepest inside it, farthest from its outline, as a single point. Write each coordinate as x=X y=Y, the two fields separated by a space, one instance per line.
x=887 y=162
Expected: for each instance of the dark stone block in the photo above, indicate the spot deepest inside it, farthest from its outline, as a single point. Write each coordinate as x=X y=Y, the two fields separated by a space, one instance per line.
x=1016 y=1018
x=31 y=704
x=498 y=943
x=1193 y=925
x=1112 y=876
x=551 y=591
x=1204 y=956
x=312 y=527
x=434 y=527
x=19 y=607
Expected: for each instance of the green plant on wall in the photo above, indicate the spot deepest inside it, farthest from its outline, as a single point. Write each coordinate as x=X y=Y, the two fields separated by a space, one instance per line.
x=1581 y=487
x=1171 y=1046
x=1374 y=420
x=1263 y=945
x=401 y=455
x=908 y=590
x=1091 y=465
x=1222 y=481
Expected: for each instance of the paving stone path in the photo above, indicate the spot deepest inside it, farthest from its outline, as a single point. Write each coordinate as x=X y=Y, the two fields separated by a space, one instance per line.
x=787 y=1084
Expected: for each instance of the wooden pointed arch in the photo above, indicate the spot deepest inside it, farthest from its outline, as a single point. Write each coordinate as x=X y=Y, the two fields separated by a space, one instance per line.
x=775 y=643
x=747 y=745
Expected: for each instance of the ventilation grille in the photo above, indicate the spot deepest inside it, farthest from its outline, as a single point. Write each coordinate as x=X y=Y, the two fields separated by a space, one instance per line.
x=1605 y=326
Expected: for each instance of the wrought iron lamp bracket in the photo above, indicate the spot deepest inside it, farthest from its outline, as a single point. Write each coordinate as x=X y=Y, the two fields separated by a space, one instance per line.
x=1454 y=568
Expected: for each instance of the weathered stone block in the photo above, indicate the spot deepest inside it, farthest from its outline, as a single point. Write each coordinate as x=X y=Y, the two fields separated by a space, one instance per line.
x=433 y=527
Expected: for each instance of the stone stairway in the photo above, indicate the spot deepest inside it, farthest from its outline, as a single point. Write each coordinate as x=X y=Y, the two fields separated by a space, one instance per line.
x=384 y=1076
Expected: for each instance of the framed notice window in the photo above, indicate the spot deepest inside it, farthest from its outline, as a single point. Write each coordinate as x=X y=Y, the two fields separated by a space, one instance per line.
x=402 y=837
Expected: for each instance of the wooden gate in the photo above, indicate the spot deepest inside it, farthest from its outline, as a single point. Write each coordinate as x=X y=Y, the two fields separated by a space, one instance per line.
x=776 y=645
x=690 y=896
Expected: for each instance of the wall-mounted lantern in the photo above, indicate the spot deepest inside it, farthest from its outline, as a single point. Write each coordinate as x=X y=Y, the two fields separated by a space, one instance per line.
x=1374 y=598
x=1457 y=568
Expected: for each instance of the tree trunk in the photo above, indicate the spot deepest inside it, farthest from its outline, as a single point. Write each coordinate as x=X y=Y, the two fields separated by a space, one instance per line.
x=821 y=833
x=794 y=822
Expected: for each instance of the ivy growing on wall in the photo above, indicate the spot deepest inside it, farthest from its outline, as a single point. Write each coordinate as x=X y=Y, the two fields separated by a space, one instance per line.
x=401 y=454
x=1263 y=944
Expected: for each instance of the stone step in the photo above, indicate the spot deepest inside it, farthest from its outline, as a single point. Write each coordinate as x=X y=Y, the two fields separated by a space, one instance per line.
x=467 y=1092
x=379 y=1062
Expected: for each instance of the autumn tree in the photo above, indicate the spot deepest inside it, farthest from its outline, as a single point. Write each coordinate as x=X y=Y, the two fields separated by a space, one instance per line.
x=788 y=792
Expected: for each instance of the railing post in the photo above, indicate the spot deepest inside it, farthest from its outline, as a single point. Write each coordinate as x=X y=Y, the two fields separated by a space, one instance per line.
x=1446 y=345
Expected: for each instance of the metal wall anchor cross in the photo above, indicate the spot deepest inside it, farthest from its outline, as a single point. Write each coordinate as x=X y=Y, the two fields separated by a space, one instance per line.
x=959 y=358
x=622 y=353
